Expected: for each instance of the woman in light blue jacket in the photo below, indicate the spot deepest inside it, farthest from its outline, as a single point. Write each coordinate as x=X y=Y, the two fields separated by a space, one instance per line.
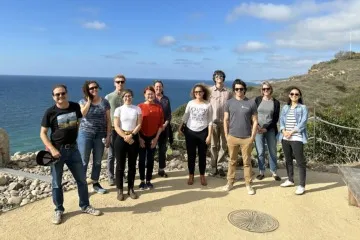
x=293 y=136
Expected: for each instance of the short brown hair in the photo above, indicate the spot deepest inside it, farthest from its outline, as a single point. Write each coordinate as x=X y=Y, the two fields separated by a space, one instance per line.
x=120 y=76
x=204 y=88
x=267 y=83
x=58 y=86
x=151 y=88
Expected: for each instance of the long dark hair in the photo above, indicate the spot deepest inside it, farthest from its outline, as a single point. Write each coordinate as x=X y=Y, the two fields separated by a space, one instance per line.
x=300 y=97
x=85 y=88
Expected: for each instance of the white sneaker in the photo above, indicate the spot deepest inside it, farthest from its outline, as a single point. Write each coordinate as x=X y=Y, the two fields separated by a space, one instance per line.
x=287 y=183
x=300 y=190
x=227 y=187
x=250 y=190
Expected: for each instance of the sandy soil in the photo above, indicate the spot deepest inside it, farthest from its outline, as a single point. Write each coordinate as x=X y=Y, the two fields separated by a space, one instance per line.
x=173 y=210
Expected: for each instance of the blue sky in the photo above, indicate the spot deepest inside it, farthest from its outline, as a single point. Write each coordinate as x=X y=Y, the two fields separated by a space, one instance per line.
x=171 y=39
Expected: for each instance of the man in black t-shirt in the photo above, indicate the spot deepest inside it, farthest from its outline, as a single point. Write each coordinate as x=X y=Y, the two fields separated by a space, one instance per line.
x=63 y=119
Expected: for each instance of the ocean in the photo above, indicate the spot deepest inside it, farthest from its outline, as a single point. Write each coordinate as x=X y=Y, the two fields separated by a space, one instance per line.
x=24 y=100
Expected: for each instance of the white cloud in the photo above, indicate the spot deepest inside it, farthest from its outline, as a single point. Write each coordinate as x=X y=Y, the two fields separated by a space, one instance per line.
x=251 y=46
x=261 y=10
x=327 y=32
x=95 y=25
x=166 y=41
x=283 y=12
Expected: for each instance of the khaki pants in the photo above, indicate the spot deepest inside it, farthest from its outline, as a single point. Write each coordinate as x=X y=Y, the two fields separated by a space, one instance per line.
x=246 y=145
x=218 y=145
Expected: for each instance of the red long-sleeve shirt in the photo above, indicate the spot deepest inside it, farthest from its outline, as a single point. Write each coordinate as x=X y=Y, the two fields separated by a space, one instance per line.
x=153 y=118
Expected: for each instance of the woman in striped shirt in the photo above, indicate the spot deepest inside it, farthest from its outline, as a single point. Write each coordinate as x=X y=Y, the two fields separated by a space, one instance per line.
x=293 y=135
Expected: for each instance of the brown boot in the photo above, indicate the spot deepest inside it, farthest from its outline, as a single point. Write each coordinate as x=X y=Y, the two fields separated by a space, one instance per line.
x=120 y=195
x=132 y=194
x=191 y=179
x=203 y=180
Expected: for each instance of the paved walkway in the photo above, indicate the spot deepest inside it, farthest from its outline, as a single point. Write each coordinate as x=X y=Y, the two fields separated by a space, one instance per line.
x=176 y=211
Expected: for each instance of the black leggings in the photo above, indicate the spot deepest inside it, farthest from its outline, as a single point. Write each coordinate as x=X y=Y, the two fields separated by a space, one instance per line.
x=122 y=149
x=296 y=149
x=196 y=140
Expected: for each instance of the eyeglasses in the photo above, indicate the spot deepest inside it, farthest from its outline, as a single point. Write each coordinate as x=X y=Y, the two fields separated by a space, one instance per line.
x=294 y=94
x=60 y=94
x=239 y=89
x=118 y=82
x=266 y=89
x=198 y=92
x=92 y=88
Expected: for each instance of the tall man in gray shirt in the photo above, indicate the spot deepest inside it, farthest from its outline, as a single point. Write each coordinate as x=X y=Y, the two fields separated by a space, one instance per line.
x=240 y=126
x=115 y=101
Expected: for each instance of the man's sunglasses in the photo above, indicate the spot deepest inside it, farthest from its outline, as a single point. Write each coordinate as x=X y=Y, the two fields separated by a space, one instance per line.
x=239 y=89
x=59 y=94
x=118 y=82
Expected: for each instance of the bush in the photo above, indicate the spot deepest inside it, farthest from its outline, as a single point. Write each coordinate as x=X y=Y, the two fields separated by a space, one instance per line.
x=346 y=113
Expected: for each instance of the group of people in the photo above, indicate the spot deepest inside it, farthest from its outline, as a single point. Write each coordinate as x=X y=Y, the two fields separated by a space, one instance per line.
x=226 y=120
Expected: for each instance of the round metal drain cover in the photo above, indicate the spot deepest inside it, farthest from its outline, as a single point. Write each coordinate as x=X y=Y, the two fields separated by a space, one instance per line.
x=253 y=221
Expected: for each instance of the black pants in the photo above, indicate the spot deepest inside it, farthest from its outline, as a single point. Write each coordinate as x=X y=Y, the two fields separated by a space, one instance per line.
x=147 y=154
x=196 y=141
x=296 y=149
x=123 y=150
x=162 y=147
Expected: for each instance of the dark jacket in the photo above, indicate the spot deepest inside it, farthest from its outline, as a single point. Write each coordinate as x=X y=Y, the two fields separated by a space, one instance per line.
x=276 y=113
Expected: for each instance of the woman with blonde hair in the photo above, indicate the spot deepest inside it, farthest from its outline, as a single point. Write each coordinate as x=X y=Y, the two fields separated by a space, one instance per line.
x=197 y=127
x=268 y=115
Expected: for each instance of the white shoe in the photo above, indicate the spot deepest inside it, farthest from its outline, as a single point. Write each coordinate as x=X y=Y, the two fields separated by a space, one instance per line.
x=287 y=183
x=227 y=187
x=250 y=189
x=300 y=190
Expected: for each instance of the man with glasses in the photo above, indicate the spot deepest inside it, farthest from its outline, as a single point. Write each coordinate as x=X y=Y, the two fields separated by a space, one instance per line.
x=63 y=119
x=115 y=101
x=219 y=95
x=240 y=127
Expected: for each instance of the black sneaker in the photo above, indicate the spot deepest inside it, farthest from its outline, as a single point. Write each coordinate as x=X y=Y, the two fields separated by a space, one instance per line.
x=213 y=172
x=260 y=177
x=98 y=188
x=142 y=186
x=221 y=172
x=277 y=178
x=149 y=185
x=162 y=173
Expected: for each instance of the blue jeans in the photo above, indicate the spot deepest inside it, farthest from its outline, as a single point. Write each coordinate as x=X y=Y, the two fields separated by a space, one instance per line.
x=270 y=139
x=111 y=155
x=91 y=141
x=70 y=157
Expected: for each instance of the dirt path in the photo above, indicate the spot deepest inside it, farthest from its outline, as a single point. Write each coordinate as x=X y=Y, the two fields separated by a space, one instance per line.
x=176 y=211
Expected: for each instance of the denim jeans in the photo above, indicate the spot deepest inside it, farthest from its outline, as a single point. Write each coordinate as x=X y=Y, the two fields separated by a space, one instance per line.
x=70 y=157
x=148 y=154
x=111 y=155
x=270 y=139
x=89 y=141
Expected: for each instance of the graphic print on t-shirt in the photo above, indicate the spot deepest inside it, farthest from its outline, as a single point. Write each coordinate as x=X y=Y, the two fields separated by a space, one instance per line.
x=68 y=120
x=198 y=114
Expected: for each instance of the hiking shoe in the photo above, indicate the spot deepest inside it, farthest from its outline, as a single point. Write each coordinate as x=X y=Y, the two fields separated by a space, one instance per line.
x=213 y=172
x=260 y=177
x=227 y=187
x=142 y=186
x=300 y=190
x=287 y=183
x=132 y=194
x=98 y=188
x=221 y=172
x=111 y=182
x=250 y=189
x=92 y=211
x=57 y=217
x=162 y=173
x=149 y=185
x=276 y=177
